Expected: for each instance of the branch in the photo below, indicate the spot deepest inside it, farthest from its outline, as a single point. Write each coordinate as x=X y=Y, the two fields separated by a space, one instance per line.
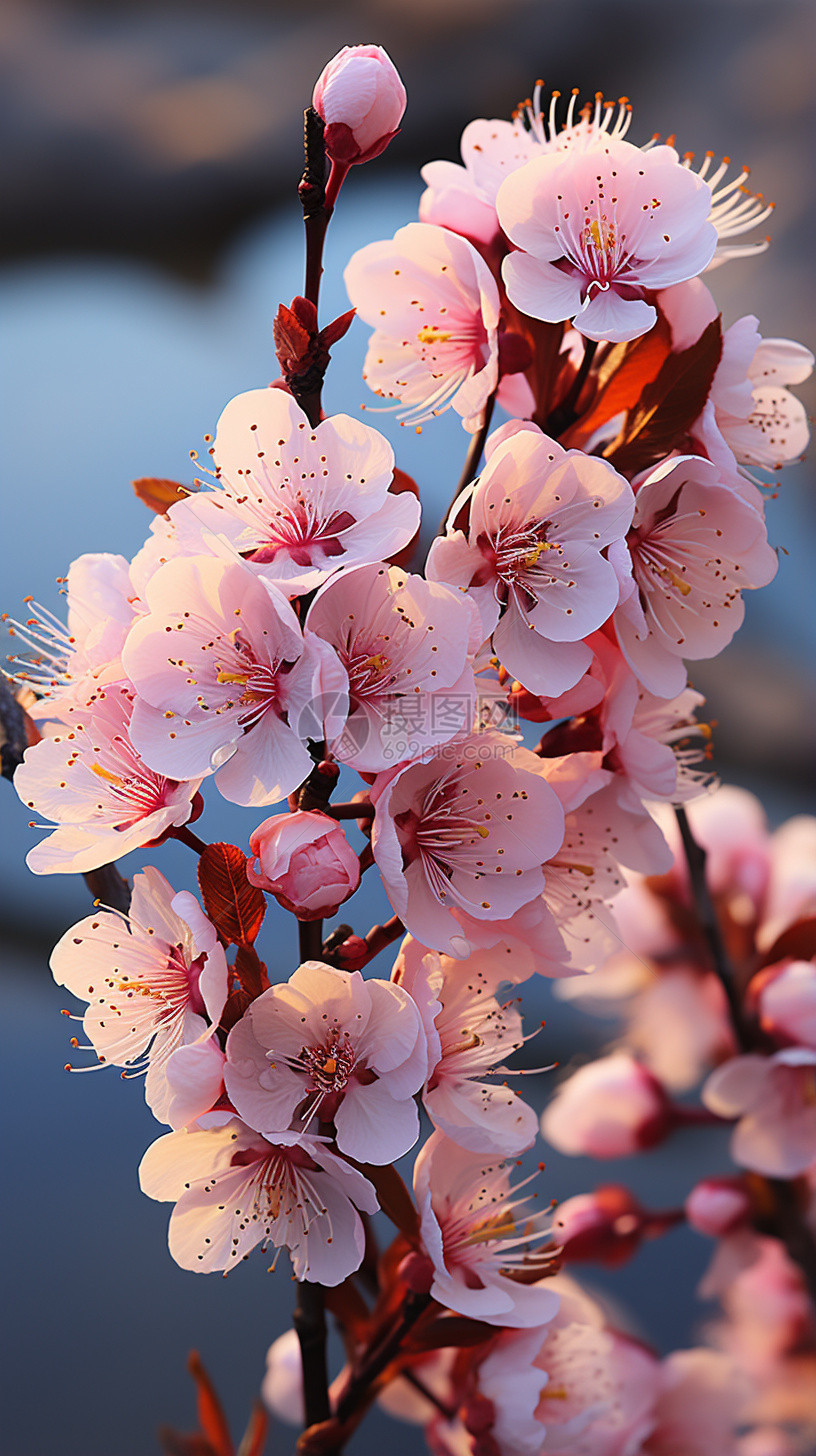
x=310 y=1325
x=472 y=459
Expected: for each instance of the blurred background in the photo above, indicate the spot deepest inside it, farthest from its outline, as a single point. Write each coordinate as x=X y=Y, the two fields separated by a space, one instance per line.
x=150 y=229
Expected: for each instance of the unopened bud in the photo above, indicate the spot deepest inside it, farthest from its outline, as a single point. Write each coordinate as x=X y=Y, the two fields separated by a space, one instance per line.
x=361 y=100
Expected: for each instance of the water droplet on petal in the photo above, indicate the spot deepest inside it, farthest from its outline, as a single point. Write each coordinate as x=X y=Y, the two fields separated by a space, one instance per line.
x=222 y=755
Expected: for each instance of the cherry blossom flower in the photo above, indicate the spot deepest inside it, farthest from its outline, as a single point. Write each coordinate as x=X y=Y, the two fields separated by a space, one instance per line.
x=296 y=502
x=195 y=1081
x=770 y=1332
x=787 y=1002
x=695 y=545
x=774 y=1100
x=234 y=1189
x=334 y=1046
x=89 y=778
x=540 y=518
x=750 y=417
x=478 y=1235
x=305 y=861
x=718 y=1206
x=609 y=1108
x=466 y=827
x=699 y=1405
x=469 y=1034
x=463 y=198
x=72 y=660
x=222 y=671
x=434 y=306
x=155 y=981
x=597 y=229
x=361 y=99
x=405 y=645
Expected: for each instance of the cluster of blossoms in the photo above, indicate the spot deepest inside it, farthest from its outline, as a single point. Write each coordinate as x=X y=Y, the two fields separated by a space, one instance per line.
x=275 y=631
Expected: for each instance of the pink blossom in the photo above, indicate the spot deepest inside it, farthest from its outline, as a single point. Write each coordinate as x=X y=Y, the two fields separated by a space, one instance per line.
x=89 y=778
x=223 y=672
x=195 y=1081
x=331 y=1044
x=699 y=1406
x=774 y=1100
x=305 y=861
x=155 y=981
x=72 y=660
x=234 y=1189
x=750 y=417
x=434 y=306
x=296 y=502
x=469 y=1034
x=791 y=886
x=609 y=1108
x=361 y=99
x=404 y=643
x=463 y=198
x=599 y=228
x=540 y=518
x=466 y=828
x=787 y=1002
x=718 y=1206
x=478 y=1234
x=695 y=545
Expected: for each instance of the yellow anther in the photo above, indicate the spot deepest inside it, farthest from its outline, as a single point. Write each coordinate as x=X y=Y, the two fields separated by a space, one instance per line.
x=532 y=556
x=110 y=778
x=432 y=334
x=233 y=677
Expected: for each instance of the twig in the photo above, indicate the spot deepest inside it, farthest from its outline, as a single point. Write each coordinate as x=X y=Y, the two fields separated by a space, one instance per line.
x=566 y=413
x=474 y=455
x=309 y=1320
x=109 y=887
x=364 y=810
x=359 y=1391
x=707 y=917
x=186 y=836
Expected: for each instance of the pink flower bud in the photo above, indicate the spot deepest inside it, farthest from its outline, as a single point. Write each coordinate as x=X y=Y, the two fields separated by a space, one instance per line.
x=361 y=99
x=718 y=1206
x=305 y=861
x=608 y=1109
x=606 y=1226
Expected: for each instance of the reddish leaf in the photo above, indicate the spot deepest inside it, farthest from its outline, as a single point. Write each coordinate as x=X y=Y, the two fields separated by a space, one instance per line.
x=293 y=341
x=235 y=907
x=797 y=942
x=349 y=1308
x=251 y=971
x=395 y=1200
x=160 y=495
x=621 y=379
x=211 y=1417
x=337 y=329
x=660 y=420
x=450 y=1332
x=254 y=1437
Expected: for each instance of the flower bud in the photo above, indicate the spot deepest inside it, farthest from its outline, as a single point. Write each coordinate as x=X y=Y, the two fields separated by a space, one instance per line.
x=718 y=1206
x=608 y=1109
x=606 y=1226
x=305 y=861
x=361 y=99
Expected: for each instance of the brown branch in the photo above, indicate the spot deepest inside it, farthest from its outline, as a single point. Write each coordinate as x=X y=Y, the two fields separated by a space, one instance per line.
x=472 y=459
x=310 y=1325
